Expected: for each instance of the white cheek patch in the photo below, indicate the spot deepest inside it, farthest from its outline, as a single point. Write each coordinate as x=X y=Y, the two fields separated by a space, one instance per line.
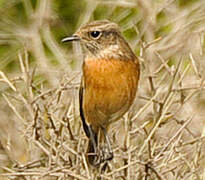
x=112 y=51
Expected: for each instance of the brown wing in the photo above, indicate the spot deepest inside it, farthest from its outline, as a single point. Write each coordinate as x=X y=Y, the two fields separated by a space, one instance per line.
x=85 y=125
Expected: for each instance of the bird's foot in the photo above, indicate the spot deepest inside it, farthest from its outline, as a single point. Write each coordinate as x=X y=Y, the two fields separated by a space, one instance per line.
x=103 y=154
x=107 y=154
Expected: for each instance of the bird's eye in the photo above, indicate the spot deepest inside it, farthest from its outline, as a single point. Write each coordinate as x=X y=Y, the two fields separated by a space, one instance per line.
x=95 y=34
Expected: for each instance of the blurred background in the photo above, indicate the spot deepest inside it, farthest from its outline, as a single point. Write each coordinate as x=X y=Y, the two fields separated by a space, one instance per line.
x=162 y=137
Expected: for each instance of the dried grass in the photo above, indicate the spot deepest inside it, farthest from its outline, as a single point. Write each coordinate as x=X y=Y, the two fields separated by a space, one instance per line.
x=162 y=136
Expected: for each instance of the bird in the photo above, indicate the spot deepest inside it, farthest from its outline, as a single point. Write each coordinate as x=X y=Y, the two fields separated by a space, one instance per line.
x=109 y=83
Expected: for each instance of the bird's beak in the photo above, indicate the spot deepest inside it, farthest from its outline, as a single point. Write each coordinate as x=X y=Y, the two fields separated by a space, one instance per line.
x=71 y=38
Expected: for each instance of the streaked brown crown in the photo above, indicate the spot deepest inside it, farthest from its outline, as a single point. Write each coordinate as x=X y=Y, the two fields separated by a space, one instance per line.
x=102 y=39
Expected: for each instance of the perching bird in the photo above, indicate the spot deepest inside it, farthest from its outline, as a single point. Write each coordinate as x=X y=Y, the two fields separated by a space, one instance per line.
x=109 y=83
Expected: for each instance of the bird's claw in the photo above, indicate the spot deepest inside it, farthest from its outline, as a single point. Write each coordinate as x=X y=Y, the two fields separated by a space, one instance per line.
x=103 y=154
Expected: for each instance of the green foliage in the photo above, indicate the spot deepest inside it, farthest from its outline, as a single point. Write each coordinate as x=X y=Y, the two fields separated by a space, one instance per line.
x=130 y=34
x=101 y=12
x=185 y=3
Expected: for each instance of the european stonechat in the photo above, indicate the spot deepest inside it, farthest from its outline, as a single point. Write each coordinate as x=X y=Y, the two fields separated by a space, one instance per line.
x=108 y=85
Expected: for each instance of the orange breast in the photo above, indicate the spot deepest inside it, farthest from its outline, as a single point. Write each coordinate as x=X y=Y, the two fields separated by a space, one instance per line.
x=110 y=88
